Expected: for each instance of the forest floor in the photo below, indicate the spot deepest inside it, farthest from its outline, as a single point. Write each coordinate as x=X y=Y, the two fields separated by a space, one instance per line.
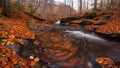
x=113 y=23
x=106 y=21
x=18 y=23
x=17 y=26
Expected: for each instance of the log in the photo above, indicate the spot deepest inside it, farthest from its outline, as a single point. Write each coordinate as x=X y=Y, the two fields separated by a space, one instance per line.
x=68 y=19
x=35 y=17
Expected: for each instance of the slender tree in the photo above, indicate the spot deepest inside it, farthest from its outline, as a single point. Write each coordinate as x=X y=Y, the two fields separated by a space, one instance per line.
x=44 y=7
x=87 y=5
x=37 y=6
x=65 y=9
x=80 y=5
x=0 y=3
x=6 y=7
x=101 y=4
x=95 y=4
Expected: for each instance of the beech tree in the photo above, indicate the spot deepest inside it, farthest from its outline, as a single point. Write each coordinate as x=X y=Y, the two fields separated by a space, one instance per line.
x=6 y=6
x=65 y=2
x=37 y=6
x=80 y=5
x=101 y=4
x=0 y=3
x=47 y=8
x=95 y=4
x=44 y=7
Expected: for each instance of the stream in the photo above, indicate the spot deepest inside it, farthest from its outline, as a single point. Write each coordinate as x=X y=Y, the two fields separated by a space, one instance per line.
x=70 y=47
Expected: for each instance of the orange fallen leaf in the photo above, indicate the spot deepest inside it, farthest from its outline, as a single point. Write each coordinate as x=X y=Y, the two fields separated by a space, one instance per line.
x=32 y=63
x=36 y=42
x=36 y=59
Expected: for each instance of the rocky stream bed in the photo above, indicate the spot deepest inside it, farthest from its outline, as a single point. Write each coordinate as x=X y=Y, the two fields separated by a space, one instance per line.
x=68 y=47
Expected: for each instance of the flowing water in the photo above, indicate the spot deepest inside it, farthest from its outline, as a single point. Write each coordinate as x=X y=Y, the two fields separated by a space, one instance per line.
x=84 y=35
x=58 y=22
x=71 y=47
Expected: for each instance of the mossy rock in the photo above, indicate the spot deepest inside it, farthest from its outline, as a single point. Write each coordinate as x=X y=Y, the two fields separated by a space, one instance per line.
x=104 y=21
x=1 y=38
x=96 y=18
x=86 y=22
x=90 y=15
x=28 y=23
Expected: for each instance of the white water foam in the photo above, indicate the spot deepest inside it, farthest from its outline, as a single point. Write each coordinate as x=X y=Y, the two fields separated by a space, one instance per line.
x=58 y=22
x=82 y=34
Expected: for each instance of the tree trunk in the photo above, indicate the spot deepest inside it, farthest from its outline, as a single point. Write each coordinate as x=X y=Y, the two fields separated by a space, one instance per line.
x=6 y=7
x=102 y=4
x=44 y=7
x=80 y=6
x=0 y=3
x=95 y=4
x=87 y=5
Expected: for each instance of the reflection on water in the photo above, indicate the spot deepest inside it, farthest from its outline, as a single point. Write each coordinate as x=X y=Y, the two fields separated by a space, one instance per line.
x=62 y=50
x=75 y=49
x=70 y=49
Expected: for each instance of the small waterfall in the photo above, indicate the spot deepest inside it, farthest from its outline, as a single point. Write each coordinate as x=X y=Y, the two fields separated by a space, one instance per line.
x=58 y=22
x=82 y=34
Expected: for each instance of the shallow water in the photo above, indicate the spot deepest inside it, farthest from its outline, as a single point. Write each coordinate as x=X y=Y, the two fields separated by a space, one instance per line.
x=70 y=47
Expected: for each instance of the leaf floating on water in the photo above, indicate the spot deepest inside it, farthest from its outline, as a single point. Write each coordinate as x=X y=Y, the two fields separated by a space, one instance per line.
x=105 y=61
x=32 y=63
x=36 y=59
x=36 y=42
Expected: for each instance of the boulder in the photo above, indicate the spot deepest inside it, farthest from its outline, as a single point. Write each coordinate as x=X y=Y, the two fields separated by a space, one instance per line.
x=69 y=19
x=86 y=22
x=90 y=15
x=104 y=21
x=109 y=36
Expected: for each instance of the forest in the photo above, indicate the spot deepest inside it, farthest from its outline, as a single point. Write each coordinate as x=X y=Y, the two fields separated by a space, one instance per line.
x=59 y=33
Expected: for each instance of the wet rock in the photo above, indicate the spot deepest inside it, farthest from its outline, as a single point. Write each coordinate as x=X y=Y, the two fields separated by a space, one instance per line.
x=86 y=22
x=23 y=42
x=96 y=18
x=15 y=47
x=102 y=22
x=109 y=36
x=68 y=19
x=90 y=15
x=30 y=49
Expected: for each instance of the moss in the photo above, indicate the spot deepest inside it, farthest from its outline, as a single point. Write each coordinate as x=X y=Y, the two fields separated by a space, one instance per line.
x=96 y=18
x=28 y=23
x=1 y=38
x=17 y=7
x=107 y=17
x=90 y=15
